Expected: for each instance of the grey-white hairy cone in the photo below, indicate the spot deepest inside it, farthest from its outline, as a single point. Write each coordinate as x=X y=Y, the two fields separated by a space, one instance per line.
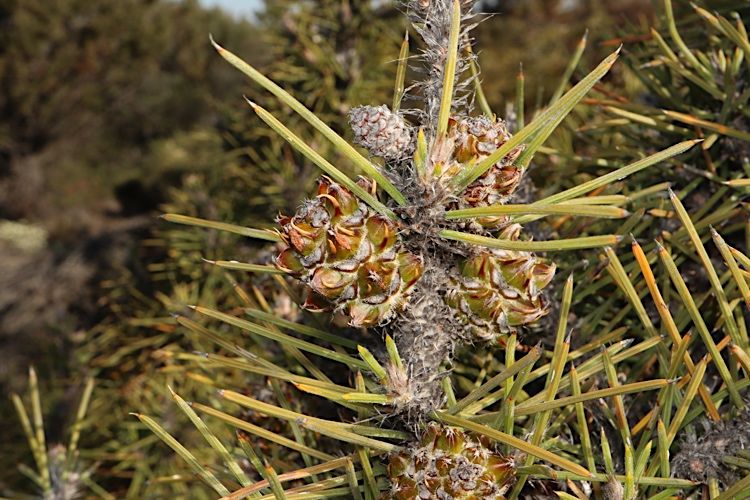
x=382 y=132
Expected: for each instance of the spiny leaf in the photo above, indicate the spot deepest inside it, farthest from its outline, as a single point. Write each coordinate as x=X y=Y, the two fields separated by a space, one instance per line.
x=80 y=416
x=344 y=435
x=478 y=90
x=283 y=413
x=686 y=52
x=300 y=328
x=695 y=381
x=552 y=385
x=700 y=324
x=366 y=397
x=273 y=481
x=520 y=98
x=393 y=353
x=570 y=68
x=481 y=391
x=736 y=490
x=372 y=363
x=733 y=267
x=635 y=387
x=38 y=422
x=583 y=428
x=712 y=276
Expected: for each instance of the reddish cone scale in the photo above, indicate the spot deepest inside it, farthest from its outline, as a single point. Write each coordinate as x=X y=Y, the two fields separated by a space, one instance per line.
x=500 y=290
x=349 y=256
x=469 y=141
x=449 y=464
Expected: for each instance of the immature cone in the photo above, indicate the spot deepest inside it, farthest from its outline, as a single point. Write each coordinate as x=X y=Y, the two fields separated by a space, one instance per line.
x=469 y=141
x=448 y=463
x=350 y=256
x=382 y=132
x=501 y=290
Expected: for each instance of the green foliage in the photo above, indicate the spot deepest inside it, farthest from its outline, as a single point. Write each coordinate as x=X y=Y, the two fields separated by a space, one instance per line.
x=243 y=174
x=273 y=401
x=59 y=469
x=102 y=104
x=619 y=335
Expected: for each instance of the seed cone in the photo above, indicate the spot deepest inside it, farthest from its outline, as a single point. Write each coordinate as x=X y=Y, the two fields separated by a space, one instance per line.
x=500 y=290
x=469 y=141
x=349 y=256
x=448 y=463
x=382 y=132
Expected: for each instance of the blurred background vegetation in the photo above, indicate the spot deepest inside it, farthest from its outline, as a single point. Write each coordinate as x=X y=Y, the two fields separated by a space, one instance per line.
x=114 y=111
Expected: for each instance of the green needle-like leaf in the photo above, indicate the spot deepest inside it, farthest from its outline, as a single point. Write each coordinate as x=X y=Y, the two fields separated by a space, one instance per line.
x=532 y=246
x=283 y=413
x=38 y=422
x=260 y=234
x=273 y=481
x=695 y=381
x=206 y=475
x=513 y=442
x=80 y=416
x=520 y=98
x=321 y=162
x=713 y=278
x=366 y=397
x=714 y=127
x=543 y=125
x=393 y=354
x=686 y=52
x=726 y=253
x=341 y=145
x=245 y=266
x=280 y=337
x=478 y=90
x=372 y=363
x=300 y=328
x=211 y=439
x=398 y=89
x=570 y=68
x=337 y=432
x=481 y=391
x=606 y=212
x=449 y=70
x=583 y=428
x=611 y=177
x=700 y=324
x=737 y=490
x=262 y=433
x=648 y=385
